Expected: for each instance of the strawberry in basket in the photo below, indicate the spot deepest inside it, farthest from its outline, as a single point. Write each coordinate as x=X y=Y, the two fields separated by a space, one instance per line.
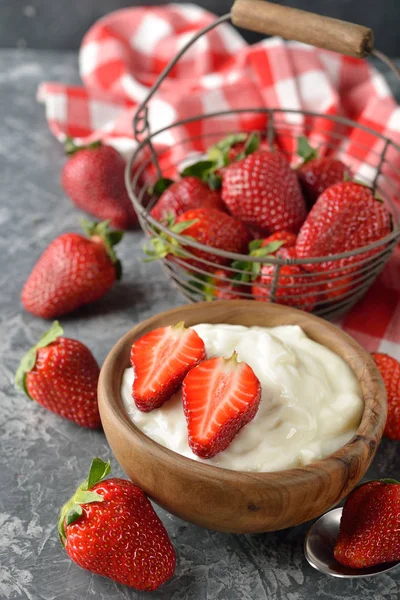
x=263 y=191
x=345 y=217
x=317 y=174
x=207 y=226
x=186 y=194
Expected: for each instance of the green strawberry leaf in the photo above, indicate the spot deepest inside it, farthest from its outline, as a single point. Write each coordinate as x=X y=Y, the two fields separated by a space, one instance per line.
x=160 y=186
x=161 y=244
x=230 y=140
x=389 y=481
x=72 y=510
x=110 y=238
x=73 y=514
x=199 y=169
x=255 y=245
x=214 y=181
x=98 y=471
x=304 y=150
x=71 y=148
x=29 y=359
x=252 y=144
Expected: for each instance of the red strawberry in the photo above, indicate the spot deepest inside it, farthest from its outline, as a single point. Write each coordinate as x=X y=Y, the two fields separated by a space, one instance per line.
x=223 y=286
x=161 y=359
x=61 y=374
x=336 y=288
x=73 y=271
x=288 y=239
x=369 y=528
x=262 y=191
x=317 y=174
x=207 y=226
x=110 y=528
x=220 y=396
x=345 y=217
x=390 y=370
x=186 y=194
x=302 y=293
x=94 y=179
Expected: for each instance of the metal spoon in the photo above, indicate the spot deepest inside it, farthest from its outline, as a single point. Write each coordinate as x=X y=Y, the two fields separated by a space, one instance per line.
x=320 y=542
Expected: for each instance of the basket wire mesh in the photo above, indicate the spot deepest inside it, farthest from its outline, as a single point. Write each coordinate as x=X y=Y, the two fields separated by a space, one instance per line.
x=327 y=293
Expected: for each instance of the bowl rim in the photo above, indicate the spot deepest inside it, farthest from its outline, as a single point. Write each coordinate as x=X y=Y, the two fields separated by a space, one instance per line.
x=163 y=454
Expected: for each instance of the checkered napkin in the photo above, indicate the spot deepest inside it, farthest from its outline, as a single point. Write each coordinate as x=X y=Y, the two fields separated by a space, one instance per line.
x=124 y=52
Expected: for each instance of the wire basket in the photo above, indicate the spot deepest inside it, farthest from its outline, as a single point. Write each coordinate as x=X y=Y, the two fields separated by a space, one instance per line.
x=325 y=292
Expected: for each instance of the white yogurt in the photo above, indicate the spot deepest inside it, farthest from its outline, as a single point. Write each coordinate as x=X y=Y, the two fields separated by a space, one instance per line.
x=311 y=402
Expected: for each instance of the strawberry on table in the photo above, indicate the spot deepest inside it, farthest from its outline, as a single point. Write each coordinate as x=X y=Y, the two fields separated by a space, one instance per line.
x=160 y=360
x=303 y=293
x=61 y=374
x=370 y=525
x=186 y=194
x=220 y=396
x=111 y=529
x=209 y=227
x=94 y=179
x=74 y=270
x=263 y=191
x=389 y=368
x=345 y=217
x=317 y=174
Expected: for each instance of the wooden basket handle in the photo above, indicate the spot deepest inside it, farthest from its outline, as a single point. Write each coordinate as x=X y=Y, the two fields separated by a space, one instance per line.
x=310 y=28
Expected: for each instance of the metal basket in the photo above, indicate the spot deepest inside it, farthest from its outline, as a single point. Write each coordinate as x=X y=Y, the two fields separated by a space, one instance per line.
x=326 y=293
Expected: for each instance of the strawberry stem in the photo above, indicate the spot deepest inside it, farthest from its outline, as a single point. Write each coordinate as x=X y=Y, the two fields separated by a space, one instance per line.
x=109 y=237
x=29 y=359
x=71 y=148
x=304 y=150
x=72 y=510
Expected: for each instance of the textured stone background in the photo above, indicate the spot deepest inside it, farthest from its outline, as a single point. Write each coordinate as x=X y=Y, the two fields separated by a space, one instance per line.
x=42 y=457
x=61 y=23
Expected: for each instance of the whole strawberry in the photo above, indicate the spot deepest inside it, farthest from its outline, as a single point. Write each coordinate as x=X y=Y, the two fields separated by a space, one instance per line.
x=186 y=194
x=369 y=528
x=345 y=217
x=93 y=178
x=111 y=529
x=262 y=191
x=317 y=174
x=390 y=370
x=73 y=271
x=225 y=285
x=294 y=286
x=208 y=226
x=61 y=374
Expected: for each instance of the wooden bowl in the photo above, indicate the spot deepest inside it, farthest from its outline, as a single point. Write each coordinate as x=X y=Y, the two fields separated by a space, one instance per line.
x=238 y=501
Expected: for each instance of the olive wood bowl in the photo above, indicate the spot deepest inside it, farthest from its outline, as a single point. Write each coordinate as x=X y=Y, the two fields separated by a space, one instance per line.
x=238 y=501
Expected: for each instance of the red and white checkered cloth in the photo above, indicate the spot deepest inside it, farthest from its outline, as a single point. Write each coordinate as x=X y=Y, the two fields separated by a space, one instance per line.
x=124 y=52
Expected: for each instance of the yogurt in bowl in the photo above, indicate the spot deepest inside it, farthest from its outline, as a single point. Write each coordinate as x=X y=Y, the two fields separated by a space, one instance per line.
x=311 y=401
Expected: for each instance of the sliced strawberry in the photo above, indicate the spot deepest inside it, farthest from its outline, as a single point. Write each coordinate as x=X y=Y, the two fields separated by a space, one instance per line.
x=220 y=396
x=160 y=360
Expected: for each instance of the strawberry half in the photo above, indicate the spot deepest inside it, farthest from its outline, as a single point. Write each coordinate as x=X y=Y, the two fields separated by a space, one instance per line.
x=369 y=528
x=160 y=360
x=110 y=528
x=220 y=396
